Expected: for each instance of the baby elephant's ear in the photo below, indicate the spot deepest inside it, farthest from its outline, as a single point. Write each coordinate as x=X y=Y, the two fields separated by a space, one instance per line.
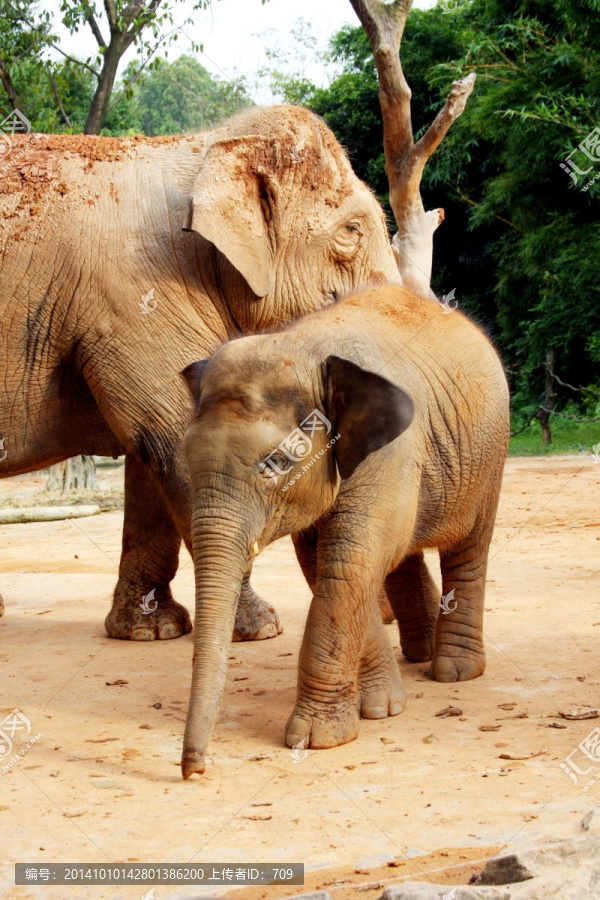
x=192 y=375
x=368 y=411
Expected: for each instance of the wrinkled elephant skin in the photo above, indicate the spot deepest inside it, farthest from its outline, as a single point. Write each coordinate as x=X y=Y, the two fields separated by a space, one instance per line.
x=125 y=259
x=369 y=431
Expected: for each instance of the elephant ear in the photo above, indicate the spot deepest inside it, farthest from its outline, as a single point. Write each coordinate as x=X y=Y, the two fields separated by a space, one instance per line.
x=192 y=376
x=234 y=206
x=368 y=410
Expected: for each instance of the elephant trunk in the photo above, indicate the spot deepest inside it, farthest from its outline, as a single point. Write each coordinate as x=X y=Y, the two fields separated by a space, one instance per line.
x=221 y=558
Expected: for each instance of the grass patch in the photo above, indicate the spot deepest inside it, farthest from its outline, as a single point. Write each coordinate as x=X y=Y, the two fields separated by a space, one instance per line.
x=567 y=437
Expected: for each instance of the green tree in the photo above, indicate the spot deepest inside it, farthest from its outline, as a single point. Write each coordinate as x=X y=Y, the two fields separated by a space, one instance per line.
x=521 y=244
x=537 y=99
x=183 y=96
x=26 y=40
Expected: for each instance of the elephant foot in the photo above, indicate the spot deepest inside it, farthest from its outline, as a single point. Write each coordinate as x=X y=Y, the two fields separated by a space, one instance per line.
x=156 y=618
x=323 y=728
x=382 y=692
x=255 y=620
x=418 y=649
x=457 y=668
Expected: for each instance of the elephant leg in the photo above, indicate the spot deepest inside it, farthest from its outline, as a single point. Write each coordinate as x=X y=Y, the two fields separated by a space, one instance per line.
x=380 y=684
x=459 y=654
x=340 y=633
x=416 y=603
x=255 y=620
x=381 y=690
x=149 y=560
x=305 y=545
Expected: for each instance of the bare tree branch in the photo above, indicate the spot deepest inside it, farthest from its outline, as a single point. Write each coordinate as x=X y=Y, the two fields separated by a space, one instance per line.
x=95 y=29
x=564 y=384
x=78 y=62
x=141 y=69
x=111 y=14
x=384 y=25
x=57 y=96
x=433 y=137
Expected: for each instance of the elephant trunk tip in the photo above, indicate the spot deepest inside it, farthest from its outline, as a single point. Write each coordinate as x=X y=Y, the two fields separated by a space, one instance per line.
x=192 y=762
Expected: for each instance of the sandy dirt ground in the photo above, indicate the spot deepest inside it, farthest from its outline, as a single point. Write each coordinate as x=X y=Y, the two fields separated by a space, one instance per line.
x=427 y=794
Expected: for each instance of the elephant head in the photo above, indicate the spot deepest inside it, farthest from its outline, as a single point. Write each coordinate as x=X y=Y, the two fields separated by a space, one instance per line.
x=277 y=197
x=278 y=423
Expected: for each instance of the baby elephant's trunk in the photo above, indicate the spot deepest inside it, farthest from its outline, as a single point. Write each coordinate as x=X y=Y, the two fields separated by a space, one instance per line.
x=220 y=559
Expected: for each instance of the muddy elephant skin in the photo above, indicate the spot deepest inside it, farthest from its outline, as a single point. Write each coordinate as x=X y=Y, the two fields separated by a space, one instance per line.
x=125 y=259
x=369 y=431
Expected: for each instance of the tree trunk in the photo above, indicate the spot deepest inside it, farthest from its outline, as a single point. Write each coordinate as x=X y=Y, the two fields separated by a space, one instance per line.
x=106 y=82
x=9 y=87
x=78 y=473
x=549 y=398
x=404 y=160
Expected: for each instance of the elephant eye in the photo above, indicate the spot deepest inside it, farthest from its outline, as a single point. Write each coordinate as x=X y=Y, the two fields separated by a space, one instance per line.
x=281 y=460
x=353 y=227
x=274 y=466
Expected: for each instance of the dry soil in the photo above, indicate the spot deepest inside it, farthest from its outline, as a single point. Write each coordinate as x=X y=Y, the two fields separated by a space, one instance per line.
x=427 y=794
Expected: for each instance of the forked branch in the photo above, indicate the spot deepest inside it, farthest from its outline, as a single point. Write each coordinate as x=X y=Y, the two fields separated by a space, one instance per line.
x=404 y=160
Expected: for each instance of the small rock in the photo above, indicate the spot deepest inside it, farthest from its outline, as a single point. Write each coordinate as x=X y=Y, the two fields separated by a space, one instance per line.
x=157 y=705
x=503 y=870
x=431 y=739
x=449 y=711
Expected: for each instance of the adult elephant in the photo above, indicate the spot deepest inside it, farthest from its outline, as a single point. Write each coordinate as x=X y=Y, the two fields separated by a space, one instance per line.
x=125 y=259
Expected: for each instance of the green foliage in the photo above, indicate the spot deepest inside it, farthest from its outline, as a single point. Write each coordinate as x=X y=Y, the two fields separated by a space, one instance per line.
x=521 y=243
x=182 y=96
x=148 y=25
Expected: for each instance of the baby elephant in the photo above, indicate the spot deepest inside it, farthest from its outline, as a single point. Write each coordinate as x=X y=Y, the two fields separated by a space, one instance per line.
x=368 y=431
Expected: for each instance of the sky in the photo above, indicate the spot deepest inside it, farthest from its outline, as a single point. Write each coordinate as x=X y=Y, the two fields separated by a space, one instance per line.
x=235 y=33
